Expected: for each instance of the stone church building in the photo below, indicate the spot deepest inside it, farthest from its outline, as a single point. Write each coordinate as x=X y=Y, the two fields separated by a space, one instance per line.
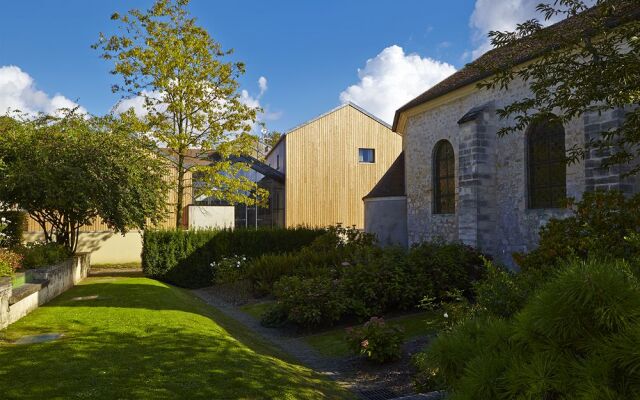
x=461 y=182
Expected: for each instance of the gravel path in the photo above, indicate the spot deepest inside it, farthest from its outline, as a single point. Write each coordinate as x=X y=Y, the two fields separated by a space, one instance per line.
x=369 y=382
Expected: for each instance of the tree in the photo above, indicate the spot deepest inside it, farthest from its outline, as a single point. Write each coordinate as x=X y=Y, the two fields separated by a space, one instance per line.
x=67 y=171
x=592 y=67
x=190 y=98
x=272 y=138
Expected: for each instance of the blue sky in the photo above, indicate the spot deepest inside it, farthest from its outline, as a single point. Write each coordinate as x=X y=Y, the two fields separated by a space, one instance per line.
x=310 y=52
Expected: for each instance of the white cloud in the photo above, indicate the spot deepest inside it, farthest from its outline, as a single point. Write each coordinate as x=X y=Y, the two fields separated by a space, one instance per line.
x=392 y=78
x=18 y=92
x=502 y=15
x=262 y=82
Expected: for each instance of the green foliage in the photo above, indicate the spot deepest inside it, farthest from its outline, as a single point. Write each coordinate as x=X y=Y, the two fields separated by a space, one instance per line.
x=67 y=171
x=184 y=257
x=10 y=261
x=228 y=269
x=576 y=338
x=503 y=292
x=331 y=251
x=12 y=225
x=380 y=282
x=274 y=317
x=438 y=268
x=37 y=254
x=376 y=340
x=591 y=68
x=190 y=96
x=603 y=225
x=310 y=302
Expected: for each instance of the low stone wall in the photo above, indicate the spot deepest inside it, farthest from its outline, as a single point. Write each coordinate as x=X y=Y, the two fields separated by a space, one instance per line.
x=5 y=295
x=43 y=284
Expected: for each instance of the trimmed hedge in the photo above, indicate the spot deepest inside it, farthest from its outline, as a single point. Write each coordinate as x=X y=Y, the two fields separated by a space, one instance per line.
x=184 y=257
x=15 y=228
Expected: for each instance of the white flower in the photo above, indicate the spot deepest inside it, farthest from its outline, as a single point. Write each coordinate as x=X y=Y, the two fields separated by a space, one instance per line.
x=446 y=315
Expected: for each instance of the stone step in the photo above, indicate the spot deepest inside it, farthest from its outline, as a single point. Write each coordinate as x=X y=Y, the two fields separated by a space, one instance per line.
x=25 y=290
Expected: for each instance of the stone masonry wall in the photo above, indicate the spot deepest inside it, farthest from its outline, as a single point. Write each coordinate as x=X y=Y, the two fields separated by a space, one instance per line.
x=491 y=195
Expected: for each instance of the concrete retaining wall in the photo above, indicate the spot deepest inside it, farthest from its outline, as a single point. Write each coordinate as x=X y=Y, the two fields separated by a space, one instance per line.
x=44 y=284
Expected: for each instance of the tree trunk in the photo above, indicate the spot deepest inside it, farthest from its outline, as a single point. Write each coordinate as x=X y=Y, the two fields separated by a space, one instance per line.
x=180 y=191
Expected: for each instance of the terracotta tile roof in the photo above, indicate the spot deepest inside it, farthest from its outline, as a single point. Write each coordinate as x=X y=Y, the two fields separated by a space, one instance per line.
x=392 y=182
x=527 y=49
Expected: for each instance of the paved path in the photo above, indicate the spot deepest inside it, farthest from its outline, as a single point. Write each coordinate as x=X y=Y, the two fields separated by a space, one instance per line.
x=341 y=370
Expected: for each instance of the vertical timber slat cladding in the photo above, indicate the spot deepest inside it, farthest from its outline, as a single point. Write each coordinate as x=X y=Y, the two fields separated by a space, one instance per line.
x=325 y=182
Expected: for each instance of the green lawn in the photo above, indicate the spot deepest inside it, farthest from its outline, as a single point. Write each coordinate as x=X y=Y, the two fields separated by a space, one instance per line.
x=141 y=339
x=332 y=343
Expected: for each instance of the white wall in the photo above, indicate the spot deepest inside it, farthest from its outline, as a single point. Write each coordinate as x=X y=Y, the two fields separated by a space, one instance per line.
x=205 y=217
x=105 y=247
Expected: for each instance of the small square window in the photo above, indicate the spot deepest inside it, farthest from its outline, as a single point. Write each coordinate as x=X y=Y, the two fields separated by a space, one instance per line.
x=367 y=156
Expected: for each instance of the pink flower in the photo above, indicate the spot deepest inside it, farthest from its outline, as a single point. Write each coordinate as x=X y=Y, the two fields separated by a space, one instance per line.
x=364 y=344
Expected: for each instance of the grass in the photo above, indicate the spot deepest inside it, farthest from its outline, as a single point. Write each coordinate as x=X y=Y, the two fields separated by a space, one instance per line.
x=143 y=339
x=131 y=265
x=256 y=310
x=18 y=280
x=332 y=343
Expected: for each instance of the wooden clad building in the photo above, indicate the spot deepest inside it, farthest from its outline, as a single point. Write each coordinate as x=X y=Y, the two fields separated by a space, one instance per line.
x=330 y=163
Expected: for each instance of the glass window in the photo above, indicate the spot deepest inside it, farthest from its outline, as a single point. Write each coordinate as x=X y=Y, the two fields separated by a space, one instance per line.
x=547 y=166
x=444 y=179
x=367 y=155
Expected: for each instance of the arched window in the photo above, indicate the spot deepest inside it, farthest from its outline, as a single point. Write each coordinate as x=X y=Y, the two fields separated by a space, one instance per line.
x=444 y=179
x=547 y=166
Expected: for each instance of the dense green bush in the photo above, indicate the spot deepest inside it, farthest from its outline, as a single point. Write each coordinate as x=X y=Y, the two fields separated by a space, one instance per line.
x=36 y=254
x=184 y=257
x=376 y=340
x=601 y=226
x=329 y=252
x=12 y=226
x=310 y=302
x=379 y=283
x=438 y=268
x=504 y=292
x=577 y=337
x=274 y=317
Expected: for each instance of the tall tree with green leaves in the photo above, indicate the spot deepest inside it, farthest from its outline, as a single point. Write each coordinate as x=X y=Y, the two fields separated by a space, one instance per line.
x=593 y=67
x=190 y=98
x=67 y=171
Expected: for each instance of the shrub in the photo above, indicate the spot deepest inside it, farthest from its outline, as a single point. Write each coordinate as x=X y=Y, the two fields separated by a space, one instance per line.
x=38 y=254
x=503 y=292
x=439 y=268
x=576 y=338
x=376 y=340
x=600 y=227
x=9 y=262
x=184 y=257
x=336 y=247
x=274 y=317
x=228 y=269
x=380 y=283
x=310 y=302
x=12 y=226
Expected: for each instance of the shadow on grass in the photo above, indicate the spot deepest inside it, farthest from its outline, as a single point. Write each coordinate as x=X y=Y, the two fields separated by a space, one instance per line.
x=141 y=339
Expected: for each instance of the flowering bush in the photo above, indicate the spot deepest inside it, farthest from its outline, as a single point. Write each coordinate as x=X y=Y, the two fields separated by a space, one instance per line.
x=229 y=269
x=9 y=262
x=376 y=340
